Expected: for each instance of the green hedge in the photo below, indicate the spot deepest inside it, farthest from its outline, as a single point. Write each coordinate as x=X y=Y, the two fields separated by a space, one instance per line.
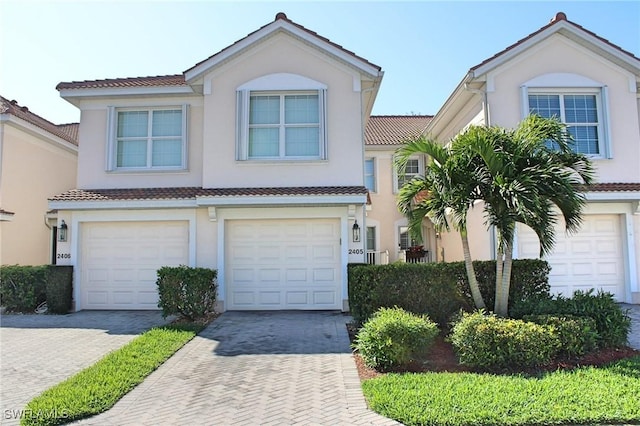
x=59 y=288
x=22 y=288
x=437 y=289
x=190 y=292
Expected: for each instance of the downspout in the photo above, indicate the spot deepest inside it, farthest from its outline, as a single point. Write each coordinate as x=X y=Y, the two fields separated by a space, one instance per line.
x=362 y=126
x=487 y=123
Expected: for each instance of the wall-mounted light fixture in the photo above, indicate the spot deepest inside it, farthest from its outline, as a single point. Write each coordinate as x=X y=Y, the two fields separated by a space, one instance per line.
x=356 y=232
x=62 y=232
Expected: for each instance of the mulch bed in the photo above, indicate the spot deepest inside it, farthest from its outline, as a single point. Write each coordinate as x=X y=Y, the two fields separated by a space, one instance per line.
x=441 y=357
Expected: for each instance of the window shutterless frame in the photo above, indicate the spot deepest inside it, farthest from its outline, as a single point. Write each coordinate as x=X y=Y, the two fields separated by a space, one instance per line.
x=148 y=136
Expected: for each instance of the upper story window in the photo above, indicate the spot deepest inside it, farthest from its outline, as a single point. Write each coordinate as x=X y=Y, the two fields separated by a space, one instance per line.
x=284 y=125
x=577 y=101
x=370 y=174
x=148 y=139
x=281 y=117
x=414 y=167
x=578 y=111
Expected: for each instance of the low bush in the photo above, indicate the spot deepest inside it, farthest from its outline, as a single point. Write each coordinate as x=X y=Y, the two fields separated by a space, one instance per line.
x=393 y=337
x=611 y=321
x=490 y=343
x=22 y=288
x=577 y=335
x=437 y=289
x=186 y=291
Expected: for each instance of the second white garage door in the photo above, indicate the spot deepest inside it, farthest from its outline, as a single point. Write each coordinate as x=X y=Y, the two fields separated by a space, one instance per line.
x=119 y=261
x=283 y=264
x=592 y=258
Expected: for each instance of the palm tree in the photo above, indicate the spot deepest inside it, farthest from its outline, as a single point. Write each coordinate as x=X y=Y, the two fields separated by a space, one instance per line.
x=524 y=174
x=446 y=187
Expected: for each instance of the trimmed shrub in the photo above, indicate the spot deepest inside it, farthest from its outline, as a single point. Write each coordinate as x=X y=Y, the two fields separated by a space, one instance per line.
x=22 y=288
x=436 y=289
x=186 y=291
x=59 y=288
x=490 y=343
x=393 y=337
x=612 y=323
x=577 y=335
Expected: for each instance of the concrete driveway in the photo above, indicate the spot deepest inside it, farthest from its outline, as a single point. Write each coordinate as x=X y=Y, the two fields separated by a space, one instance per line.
x=39 y=351
x=246 y=368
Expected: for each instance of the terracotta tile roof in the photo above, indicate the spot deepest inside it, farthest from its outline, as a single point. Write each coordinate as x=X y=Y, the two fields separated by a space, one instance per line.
x=394 y=129
x=22 y=112
x=70 y=129
x=160 y=80
x=614 y=187
x=193 y=192
x=282 y=16
x=178 y=79
x=560 y=16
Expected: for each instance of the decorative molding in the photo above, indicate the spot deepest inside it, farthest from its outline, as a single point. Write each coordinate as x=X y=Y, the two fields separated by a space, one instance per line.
x=212 y=214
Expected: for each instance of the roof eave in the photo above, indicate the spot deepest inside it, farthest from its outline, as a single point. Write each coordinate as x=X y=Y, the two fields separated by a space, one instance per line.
x=38 y=131
x=74 y=96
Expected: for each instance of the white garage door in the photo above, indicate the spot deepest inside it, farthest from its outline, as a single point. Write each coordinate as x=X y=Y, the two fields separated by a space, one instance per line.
x=283 y=264
x=119 y=261
x=592 y=258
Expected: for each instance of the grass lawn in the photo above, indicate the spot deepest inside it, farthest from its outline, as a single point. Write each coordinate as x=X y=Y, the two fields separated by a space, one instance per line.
x=586 y=395
x=97 y=388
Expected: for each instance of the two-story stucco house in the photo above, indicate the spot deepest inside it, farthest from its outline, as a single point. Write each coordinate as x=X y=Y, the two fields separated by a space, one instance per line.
x=38 y=159
x=250 y=162
x=566 y=71
x=386 y=232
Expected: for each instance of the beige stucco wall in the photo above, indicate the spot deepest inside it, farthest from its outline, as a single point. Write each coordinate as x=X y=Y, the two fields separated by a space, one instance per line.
x=33 y=169
x=282 y=54
x=479 y=236
x=560 y=55
x=92 y=154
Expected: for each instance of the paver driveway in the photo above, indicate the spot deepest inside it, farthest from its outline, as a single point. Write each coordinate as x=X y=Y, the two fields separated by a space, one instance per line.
x=39 y=351
x=254 y=368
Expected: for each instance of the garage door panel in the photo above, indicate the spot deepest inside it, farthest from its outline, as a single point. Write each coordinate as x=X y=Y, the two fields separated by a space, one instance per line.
x=591 y=258
x=119 y=261
x=292 y=264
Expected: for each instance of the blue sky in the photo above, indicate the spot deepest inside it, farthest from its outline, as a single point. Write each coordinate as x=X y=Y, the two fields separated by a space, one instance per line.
x=424 y=47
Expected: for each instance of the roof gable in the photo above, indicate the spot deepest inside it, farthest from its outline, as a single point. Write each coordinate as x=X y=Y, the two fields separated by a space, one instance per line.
x=561 y=25
x=284 y=24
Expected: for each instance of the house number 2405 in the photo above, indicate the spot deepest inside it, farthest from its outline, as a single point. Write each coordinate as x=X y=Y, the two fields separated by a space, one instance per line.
x=64 y=256
x=356 y=251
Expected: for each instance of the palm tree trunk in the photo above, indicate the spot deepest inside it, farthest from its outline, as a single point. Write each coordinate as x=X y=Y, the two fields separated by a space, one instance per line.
x=506 y=282
x=499 y=281
x=471 y=273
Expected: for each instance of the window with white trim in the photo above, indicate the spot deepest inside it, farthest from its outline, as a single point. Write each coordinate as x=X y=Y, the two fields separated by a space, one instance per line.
x=148 y=139
x=404 y=238
x=284 y=125
x=370 y=174
x=582 y=110
x=414 y=167
x=371 y=238
x=281 y=117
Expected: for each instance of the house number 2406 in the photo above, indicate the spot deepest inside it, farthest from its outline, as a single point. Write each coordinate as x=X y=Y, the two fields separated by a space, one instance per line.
x=64 y=256
x=356 y=251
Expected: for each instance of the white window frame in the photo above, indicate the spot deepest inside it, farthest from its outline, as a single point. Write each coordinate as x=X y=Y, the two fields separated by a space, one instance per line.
x=280 y=84
x=587 y=87
x=373 y=173
x=375 y=237
x=112 y=138
x=420 y=159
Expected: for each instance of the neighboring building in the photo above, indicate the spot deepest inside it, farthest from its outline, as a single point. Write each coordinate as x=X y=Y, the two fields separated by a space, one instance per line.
x=38 y=159
x=385 y=230
x=592 y=85
x=250 y=162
